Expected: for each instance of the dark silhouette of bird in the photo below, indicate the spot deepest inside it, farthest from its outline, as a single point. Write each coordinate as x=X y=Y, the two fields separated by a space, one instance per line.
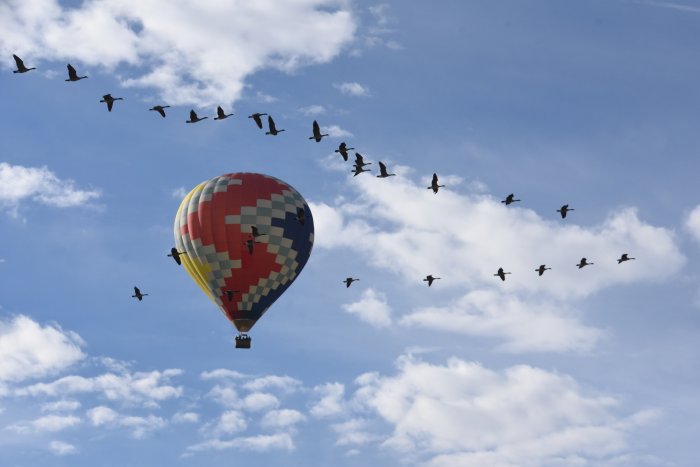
x=256 y=117
x=382 y=171
x=509 y=199
x=501 y=274
x=174 y=254
x=343 y=150
x=194 y=118
x=542 y=269
x=583 y=263
x=563 y=210
x=138 y=294
x=229 y=294
x=250 y=244
x=73 y=75
x=429 y=279
x=349 y=281
x=434 y=184
x=360 y=161
x=160 y=109
x=273 y=129
x=624 y=258
x=317 y=136
x=109 y=100
x=301 y=215
x=358 y=170
x=220 y=114
x=255 y=232
x=20 y=65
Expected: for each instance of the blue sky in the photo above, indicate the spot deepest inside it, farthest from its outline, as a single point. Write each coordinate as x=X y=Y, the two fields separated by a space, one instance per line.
x=591 y=103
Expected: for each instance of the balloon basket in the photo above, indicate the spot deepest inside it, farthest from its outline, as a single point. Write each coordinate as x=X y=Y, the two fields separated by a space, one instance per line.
x=243 y=341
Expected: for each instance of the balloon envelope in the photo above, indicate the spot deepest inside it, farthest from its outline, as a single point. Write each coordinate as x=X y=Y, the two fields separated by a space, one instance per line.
x=246 y=237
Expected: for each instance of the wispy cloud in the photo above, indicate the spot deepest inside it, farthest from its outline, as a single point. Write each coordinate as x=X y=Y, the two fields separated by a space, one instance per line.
x=60 y=448
x=30 y=350
x=352 y=89
x=39 y=184
x=102 y=416
x=462 y=238
x=313 y=110
x=198 y=53
x=371 y=308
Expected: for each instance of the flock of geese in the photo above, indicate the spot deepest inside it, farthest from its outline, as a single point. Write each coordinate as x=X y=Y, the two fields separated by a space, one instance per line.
x=359 y=166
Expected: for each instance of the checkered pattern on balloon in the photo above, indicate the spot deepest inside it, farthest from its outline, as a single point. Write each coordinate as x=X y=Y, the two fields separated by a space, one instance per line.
x=214 y=227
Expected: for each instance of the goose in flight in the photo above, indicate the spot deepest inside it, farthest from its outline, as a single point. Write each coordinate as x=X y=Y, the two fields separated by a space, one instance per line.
x=434 y=184
x=160 y=109
x=256 y=118
x=220 y=114
x=583 y=263
x=194 y=118
x=542 y=269
x=563 y=210
x=509 y=199
x=138 y=294
x=382 y=171
x=20 y=65
x=429 y=279
x=229 y=294
x=360 y=161
x=623 y=258
x=273 y=129
x=343 y=150
x=317 y=136
x=175 y=255
x=349 y=281
x=73 y=75
x=501 y=274
x=358 y=170
x=109 y=100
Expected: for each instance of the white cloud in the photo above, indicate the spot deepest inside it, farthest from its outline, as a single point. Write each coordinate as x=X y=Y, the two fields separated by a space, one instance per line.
x=231 y=421
x=692 y=223
x=463 y=414
x=60 y=406
x=259 y=443
x=259 y=401
x=29 y=350
x=179 y=193
x=146 y=388
x=225 y=395
x=334 y=131
x=18 y=183
x=50 y=423
x=465 y=238
x=139 y=426
x=313 y=110
x=536 y=325
x=331 y=401
x=198 y=53
x=354 y=432
x=185 y=417
x=371 y=308
x=282 y=418
x=286 y=383
x=60 y=448
x=352 y=88
x=222 y=373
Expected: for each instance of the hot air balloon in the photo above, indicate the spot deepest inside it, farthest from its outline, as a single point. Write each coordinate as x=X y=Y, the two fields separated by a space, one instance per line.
x=241 y=231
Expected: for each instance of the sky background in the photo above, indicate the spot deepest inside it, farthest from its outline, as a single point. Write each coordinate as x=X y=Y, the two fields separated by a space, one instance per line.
x=593 y=103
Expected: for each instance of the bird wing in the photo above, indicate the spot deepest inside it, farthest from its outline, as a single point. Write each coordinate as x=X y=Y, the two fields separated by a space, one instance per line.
x=72 y=74
x=317 y=130
x=160 y=111
x=382 y=168
x=110 y=103
x=271 y=124
x=435 y=179
x=18 y=61
x=257 y=120
x=220 y=112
